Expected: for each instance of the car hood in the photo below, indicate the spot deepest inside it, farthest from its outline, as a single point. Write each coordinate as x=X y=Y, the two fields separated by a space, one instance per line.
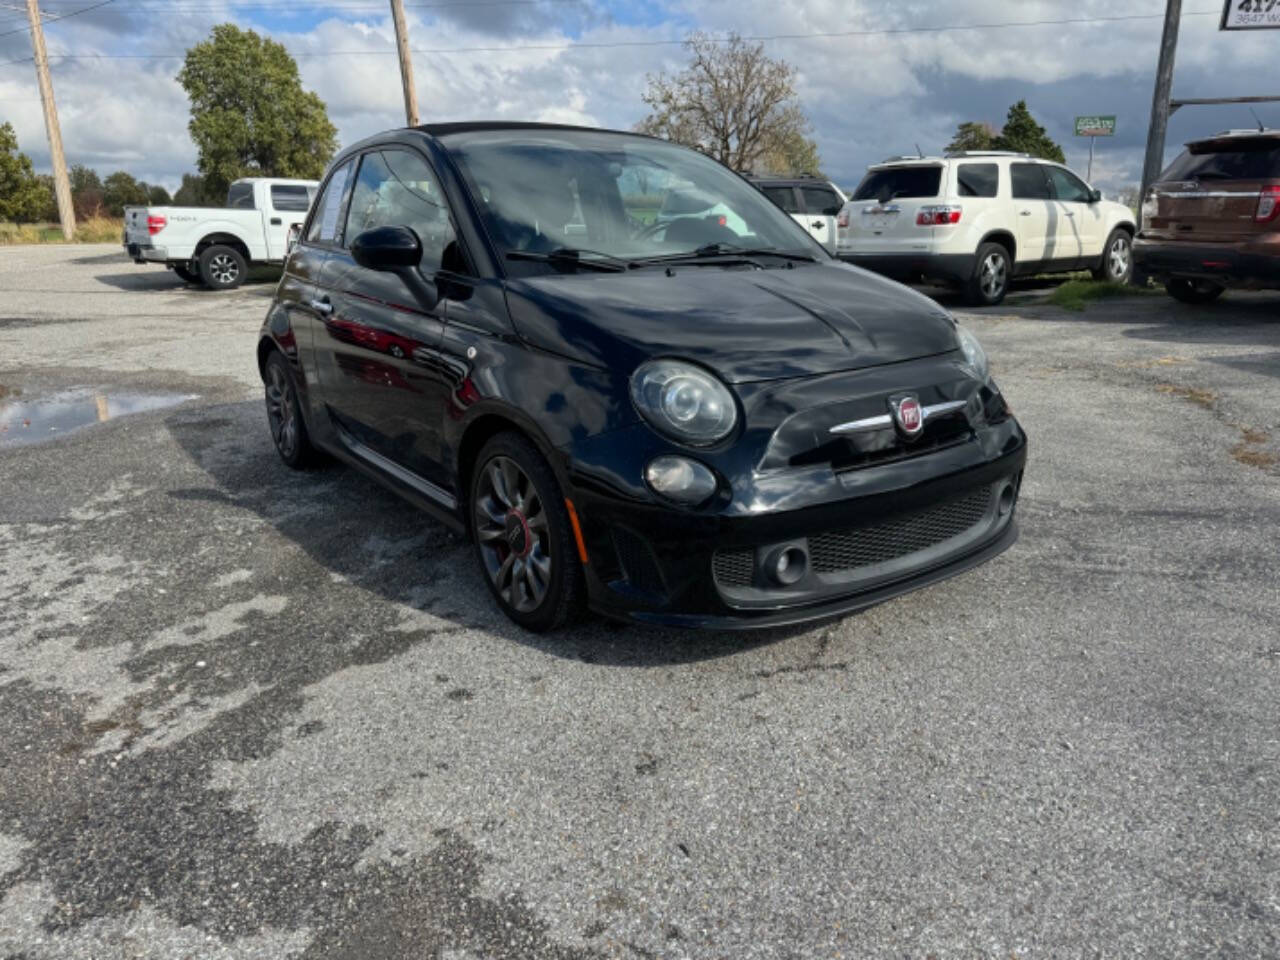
x=744 y=324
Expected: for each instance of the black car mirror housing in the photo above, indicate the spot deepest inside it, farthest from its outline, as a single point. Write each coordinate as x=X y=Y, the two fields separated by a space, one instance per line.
x=396 y=249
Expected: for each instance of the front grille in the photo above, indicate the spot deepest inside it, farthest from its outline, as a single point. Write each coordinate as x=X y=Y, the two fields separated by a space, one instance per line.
x=848 y=550
x=638 y=562
x=733 y=568
x=851 y=549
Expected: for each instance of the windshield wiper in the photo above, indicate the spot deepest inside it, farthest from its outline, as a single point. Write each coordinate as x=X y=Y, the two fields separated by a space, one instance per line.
x=571 y=257
x=718 y=250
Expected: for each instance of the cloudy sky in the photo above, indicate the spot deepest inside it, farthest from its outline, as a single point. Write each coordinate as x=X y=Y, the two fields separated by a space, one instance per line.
x=888 y=80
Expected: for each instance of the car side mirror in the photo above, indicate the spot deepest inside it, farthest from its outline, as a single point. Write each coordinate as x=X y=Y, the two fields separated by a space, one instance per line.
x=1095 y=196
x=396 y=250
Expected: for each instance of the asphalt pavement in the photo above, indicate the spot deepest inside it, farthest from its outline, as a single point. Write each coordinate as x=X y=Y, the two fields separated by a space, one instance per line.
x=249 y=712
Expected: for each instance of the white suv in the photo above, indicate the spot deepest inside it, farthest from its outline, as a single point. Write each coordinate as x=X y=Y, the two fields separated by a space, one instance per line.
x=977 y=219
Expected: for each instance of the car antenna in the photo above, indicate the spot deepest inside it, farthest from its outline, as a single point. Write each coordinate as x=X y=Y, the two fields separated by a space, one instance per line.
x=919 y=152
x=1261 y=128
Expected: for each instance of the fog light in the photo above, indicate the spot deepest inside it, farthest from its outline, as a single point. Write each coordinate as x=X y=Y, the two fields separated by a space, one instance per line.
x=680 y=479
x=788 y=565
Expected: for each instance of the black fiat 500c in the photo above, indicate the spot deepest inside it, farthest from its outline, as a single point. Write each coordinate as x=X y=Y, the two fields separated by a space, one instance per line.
x=699 y=420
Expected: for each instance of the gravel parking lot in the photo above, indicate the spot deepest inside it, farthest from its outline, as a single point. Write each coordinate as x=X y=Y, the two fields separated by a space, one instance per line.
x=253 y=713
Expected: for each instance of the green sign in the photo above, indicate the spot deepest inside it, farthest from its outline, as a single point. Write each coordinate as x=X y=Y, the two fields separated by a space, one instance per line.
x=1095 y=126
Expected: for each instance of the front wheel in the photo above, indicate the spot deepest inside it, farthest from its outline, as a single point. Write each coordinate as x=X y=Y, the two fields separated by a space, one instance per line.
x=523 y=539
x=990 y=281
x=221 y=267
x=1116 y=264
x=1193 y=291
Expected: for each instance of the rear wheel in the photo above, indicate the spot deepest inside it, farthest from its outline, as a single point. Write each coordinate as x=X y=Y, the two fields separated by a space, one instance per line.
x=221 y=267
x=522 y=536
x=1116 y=264
x=1193 y=291
x=990 y=280
x=284 y=415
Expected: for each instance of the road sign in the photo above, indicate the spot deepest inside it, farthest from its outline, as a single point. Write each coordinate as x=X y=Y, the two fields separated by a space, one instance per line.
x=1250 y=15
x=1102 y=126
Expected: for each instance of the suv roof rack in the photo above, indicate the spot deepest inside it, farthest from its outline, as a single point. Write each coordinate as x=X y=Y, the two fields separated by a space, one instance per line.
x=987 y=153
x=908 y=156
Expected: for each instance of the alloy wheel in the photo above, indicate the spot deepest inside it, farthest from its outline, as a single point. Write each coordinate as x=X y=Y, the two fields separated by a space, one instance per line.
x=282 y=410
x=224 y=269
x=993 y=276
x=513 y=534
x=1118 y=258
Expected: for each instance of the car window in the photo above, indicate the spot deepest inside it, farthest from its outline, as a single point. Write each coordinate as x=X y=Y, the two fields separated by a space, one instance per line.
x=396 y=188
x=978 y=179
x=240 y=196
x=821 y=200
x=895 y=182
x=1029 y=181
x=1067 y=186
x=1244 y=159
x=324 y=222
x=289 y=197
x=784 y=197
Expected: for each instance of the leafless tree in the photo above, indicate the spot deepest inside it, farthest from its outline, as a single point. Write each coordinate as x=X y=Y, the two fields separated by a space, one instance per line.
x=733 y=103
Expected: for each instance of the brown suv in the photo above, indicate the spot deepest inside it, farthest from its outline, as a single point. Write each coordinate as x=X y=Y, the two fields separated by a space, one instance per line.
x=1213 y=219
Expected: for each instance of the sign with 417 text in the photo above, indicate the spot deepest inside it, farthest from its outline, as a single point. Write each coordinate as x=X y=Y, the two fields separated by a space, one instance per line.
x=1096 y=126
x=1251 y=15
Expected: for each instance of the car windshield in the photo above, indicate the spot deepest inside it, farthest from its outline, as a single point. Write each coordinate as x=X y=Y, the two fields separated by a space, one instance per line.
x=614 y=197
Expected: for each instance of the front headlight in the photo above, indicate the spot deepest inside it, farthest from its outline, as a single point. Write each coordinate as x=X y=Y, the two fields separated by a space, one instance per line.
x=974 y=355
x=684 y=401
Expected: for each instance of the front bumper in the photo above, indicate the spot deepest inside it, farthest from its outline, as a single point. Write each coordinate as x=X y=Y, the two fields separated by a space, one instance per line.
x=947 y=267
x=869 y=534
x=1253 y=264
x=146 y=252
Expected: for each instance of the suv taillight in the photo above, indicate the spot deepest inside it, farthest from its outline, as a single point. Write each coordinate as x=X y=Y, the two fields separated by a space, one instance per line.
x=842 y=221
x=1268 y=205
x=155 y=224
x=938 y=215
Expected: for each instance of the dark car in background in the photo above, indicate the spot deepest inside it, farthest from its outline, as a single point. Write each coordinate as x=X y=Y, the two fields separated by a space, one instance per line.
x=1212 y=221
x=695 y=419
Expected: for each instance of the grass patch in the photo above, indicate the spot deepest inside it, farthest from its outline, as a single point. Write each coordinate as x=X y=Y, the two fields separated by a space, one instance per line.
x=92 y=230
x=1200 y=397
x=1078 y=294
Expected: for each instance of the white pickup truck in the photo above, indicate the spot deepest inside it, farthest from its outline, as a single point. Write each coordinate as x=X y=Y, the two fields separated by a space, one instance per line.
x=216 y=245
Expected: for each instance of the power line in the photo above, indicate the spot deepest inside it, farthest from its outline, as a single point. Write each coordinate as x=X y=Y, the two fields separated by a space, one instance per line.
x=616 y=44
x=62 y=16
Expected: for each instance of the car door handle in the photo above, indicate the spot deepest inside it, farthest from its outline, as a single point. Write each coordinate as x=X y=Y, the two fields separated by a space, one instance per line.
x=276 y=221
x=323 y=307
x=817 y=224
x=1070 y=213
x=1026 y=213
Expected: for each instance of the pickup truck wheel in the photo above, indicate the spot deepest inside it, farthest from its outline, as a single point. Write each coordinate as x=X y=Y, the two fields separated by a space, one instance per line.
x=990 y=280
x=186 y=273
x=1193 y=291
x=222 y=268
x=1116 y=264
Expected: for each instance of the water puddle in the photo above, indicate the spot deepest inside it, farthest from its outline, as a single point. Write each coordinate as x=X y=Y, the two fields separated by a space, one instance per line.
x=34 y=419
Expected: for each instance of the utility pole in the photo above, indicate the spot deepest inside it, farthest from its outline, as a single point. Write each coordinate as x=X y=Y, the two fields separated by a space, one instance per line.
x=406 y=64
x=61 y=185
x=1160 y=99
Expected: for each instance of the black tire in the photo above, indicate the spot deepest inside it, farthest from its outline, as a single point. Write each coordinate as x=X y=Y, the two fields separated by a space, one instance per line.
x=992 y=270
x=284 y=414
x=1193 y=291
x=185 y=273
x=522 y=537
x=221 y=267
x=1116 y=264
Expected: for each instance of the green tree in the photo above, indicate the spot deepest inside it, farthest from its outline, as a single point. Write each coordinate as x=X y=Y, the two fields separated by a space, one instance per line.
x=83 y=178
x=87 y=194
x=191 y=193
x=249 y=113
x=122 y=190
x=1022 y=134
x=49 y=211
x=157 y=195
x=735 y=104
x=22 y=195
x=972 y=136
